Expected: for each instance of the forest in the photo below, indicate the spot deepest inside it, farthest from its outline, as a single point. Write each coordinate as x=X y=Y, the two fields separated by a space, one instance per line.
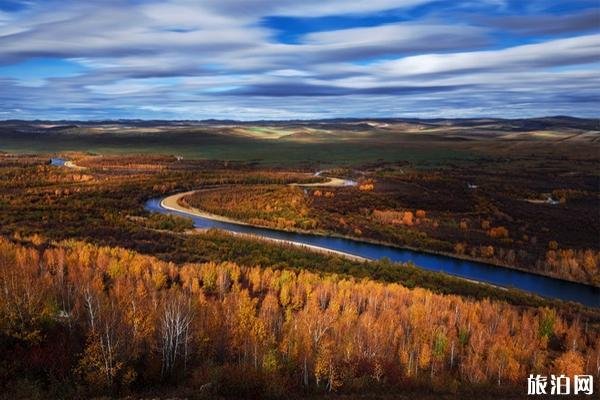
x=102 y=298
x=41 y=200
x=459 y=221
x=108 y=320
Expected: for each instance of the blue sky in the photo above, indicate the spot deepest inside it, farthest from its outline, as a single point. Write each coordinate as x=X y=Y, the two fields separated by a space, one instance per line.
x=288 y=59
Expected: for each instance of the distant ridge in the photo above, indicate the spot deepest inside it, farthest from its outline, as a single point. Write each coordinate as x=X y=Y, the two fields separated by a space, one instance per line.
x=556 y=120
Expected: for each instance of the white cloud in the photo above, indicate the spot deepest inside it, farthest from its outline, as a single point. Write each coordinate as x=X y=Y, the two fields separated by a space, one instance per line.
x=405 y=33
x=312 y=8
x=194 y=56
x=577 y=50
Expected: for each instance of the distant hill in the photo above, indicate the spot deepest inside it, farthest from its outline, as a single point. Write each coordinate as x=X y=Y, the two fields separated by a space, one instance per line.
x=296 y=141
x=526 y=123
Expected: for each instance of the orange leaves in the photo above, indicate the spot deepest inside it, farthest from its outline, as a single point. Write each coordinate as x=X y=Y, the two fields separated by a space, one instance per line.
x=394 y=217
x=487 y=251
x=569 y=363
x=387 y=216
x=582 y=265
x=366 y=187
x=333 y=331
x=408 y=218
x=459 y=248
x=424 y=355
x=327 y=367
x=499 y=232
x=281 y=207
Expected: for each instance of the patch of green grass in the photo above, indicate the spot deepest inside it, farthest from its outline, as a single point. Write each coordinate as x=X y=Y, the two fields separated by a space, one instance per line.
x=211 y=146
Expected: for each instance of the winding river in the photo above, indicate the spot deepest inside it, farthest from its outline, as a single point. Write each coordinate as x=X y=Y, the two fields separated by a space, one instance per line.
x=499 y=276
x=505 y=277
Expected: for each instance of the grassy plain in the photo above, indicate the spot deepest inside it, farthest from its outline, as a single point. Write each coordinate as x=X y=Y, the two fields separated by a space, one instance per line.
x=325 y=144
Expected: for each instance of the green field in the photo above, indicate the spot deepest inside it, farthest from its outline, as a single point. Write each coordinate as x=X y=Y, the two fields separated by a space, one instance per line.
x=210 y=146
x=305 y=143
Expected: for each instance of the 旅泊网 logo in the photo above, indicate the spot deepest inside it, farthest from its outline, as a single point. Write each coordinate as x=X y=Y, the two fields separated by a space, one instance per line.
x=560 y=385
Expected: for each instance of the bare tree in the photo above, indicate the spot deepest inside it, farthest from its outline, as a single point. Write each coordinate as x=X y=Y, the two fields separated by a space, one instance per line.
x=91 y=306
x=174 y=332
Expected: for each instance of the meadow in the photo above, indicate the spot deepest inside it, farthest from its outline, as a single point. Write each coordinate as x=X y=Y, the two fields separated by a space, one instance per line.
x=341 y=144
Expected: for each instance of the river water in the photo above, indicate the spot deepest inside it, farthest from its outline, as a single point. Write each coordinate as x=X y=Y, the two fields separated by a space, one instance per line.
x=58 y=162
x=505 y=277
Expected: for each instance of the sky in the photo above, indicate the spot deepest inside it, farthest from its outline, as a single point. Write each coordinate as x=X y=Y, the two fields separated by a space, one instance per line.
x=291 y=59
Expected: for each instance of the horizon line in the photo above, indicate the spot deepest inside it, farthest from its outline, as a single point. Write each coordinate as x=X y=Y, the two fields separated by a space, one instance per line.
x=117 y=120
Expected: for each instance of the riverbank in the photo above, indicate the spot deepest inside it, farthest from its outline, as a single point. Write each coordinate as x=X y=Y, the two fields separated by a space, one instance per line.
x=317 y=249
x=72 y=165
x=332 y=182
x=170 y=203
x=439 y=273
x=61 y=162
x=173 y=203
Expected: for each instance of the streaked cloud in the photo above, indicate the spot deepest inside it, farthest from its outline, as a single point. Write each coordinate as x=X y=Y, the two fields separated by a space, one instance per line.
x=227 y=59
